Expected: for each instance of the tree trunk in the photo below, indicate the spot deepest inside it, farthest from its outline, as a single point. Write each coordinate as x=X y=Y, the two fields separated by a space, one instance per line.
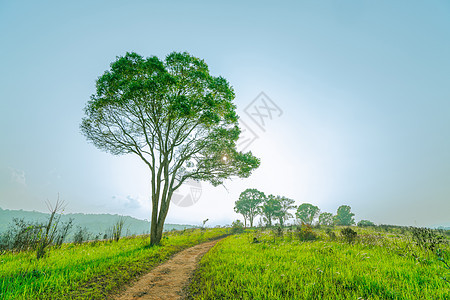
x=154 y=223
x=156 y=232
x=157 y=228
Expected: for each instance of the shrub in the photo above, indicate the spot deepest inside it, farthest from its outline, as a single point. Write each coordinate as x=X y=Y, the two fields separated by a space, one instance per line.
x=117 y=229
x=365 y=223
x=427 y=238
x=63 y=232
x=237 y=227
x=348 y=234
x=330 y=234
x=21 y=236
x=305 y=233
x=81 y=235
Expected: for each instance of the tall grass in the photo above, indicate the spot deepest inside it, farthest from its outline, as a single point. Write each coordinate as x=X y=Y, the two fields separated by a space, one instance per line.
x=374 y=266
x=89 y=270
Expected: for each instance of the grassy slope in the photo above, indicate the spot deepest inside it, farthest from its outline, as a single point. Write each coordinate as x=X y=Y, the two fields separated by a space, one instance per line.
x=89 y=271
x=374 y=268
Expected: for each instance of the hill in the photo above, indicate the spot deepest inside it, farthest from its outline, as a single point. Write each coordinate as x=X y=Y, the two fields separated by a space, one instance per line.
x=94 y=223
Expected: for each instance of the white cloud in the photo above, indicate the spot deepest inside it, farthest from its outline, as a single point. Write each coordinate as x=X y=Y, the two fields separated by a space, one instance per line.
x=18 y=176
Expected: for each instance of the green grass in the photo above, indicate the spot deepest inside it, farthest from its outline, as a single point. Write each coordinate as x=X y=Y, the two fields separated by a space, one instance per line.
x=89 y=271
x=375 y=267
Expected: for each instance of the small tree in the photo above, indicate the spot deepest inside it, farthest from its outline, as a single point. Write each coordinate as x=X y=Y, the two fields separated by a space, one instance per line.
x=326 y=219
x=117 y=229
x=307 y=213
x=248 y=204
x=286 y=205
x=270 y=209
x=344 y=216
x=348 y=234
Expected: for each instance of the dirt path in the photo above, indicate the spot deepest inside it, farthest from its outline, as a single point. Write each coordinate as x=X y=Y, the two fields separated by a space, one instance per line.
x=168 y=279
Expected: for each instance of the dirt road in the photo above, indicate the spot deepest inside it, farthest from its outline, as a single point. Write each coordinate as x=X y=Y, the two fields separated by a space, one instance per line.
x=168 y=279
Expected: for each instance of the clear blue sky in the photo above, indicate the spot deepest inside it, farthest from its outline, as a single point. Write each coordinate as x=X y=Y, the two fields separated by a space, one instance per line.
x=363 y=86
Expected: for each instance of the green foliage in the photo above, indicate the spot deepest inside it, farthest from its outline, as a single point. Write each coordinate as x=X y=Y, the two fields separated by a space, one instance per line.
x=117 y=229
x=28 y=235
x=444 y=257
x=343 y=216
x=21 y=236
x=307 y=213
x=237 y=227
x=427 y=238
x=90 y=271
x=330 y=234
x=365 y=223
x=326 y=219
x=175 y=116
x=286 y=205
x=305 y=233
x=248 y=204
x=348 y=234
x=81 y=235
x=270 y=209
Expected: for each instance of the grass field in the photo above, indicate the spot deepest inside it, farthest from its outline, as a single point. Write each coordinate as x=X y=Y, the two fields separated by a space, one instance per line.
x=376 y=266
x=90 y=270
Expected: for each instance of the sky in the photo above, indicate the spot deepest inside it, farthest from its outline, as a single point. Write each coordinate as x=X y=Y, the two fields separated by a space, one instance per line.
x=359 y=92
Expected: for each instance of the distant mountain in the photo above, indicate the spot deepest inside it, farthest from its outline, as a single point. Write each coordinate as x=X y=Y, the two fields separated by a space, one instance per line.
x=94 y=223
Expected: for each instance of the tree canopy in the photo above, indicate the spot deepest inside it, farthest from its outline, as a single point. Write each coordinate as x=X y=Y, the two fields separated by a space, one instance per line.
x=344 y=216
x=286 y=205
x=307 y=212
x=248 y=204
x=326 y=218
x=176 y=117
x=365 y=223
x=270 y=209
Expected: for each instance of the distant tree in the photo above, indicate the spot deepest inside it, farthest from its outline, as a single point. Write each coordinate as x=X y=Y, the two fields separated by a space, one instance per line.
x=173 y=115
x=326 y=218
x=344 y=216
x=270 y=209
x=248 y=204
x=307 y=213
x=286 y=205
x=365 y=223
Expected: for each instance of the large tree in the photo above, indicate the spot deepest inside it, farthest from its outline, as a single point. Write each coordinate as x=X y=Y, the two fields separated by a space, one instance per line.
x=307 y=213
x=248 y=204
x=286 y=205
x=176 y=117
x=344 y=216
x=270 y=209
